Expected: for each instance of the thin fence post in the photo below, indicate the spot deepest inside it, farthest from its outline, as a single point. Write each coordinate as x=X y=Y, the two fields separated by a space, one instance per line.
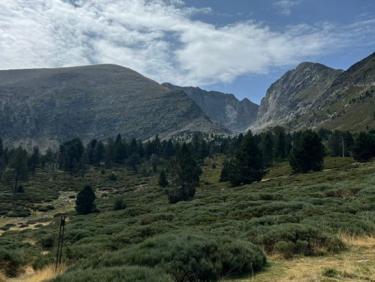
x=60 y=242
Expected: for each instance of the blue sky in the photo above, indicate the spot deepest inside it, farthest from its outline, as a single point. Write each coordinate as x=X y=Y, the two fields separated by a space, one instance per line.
x=234 y=46
x=338 y=12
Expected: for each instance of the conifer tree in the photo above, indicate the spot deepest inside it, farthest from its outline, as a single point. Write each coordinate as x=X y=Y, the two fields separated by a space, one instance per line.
x=85 y=202
x=163 y=181
x=247 y=166
x=364 y=147
x=267 y=148
x=307 y=153
x=186 y=172
x=17 y=167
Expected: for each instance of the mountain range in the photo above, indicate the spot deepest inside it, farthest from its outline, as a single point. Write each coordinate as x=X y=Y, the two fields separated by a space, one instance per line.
x=316 y=96
x=48 y=106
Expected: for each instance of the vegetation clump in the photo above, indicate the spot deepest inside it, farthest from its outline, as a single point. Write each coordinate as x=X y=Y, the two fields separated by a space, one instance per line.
x=85 y=202
x=191 y=257
x=307 y=152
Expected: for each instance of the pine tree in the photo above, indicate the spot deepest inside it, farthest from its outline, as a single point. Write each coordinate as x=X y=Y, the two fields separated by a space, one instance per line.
x=280 y=144
x=17 y=167
x=163 y=181
x=186 y=172
x=247 y=166
x=119 y=150
x=307 y=153
x=364 y=147
x=85 y=202
x=348 y=142
x=70 y=155
x=335 y=144
x=34 y=160
x=267 y=148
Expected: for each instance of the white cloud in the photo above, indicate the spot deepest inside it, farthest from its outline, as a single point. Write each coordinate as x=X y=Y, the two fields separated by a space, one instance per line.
x=158 y=38
x=285 y=6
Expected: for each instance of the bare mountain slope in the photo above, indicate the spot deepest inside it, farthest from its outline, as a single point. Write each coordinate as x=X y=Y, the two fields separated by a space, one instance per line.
x=222 y=108
x=292 y=95
x=46 y=106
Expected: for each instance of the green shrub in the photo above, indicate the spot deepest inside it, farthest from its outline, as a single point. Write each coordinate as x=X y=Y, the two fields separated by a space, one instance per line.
x=119 y=204
x=191 y=257
x=10 y=262
x=289 y=239
x=47 y=242
x=286 y=248
x=115 y=274
x=112 y=177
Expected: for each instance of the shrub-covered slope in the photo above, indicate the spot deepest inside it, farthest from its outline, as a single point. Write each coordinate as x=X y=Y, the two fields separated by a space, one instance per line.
x=216 y=234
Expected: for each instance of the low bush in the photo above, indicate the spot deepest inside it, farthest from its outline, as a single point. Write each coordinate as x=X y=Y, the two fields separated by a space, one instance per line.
x=191 y=257
x=10 y=262
x=119 y=204
x=289 y=239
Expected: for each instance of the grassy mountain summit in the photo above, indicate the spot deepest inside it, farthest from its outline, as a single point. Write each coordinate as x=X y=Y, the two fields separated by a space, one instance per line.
x=222 y=108
x=44 y=106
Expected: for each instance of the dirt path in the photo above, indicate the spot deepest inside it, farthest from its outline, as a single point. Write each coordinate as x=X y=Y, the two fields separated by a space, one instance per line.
x=64 y=203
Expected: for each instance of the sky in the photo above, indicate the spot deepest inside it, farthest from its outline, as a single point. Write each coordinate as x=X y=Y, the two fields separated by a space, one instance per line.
x=233 y=46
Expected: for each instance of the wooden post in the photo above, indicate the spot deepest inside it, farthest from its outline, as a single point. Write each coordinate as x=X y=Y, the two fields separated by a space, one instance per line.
x=60 y=242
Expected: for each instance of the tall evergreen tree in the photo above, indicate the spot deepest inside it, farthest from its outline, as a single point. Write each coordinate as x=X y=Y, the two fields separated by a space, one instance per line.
x=280 y=144
x=247 y=166
x=163 y=181
x=335 y=144
x=364 y=147
x=267 y=148
x=34 y=160
x=17 y=170
x=186 y=172
x=307 y=153
x=70 y=155
x=85 y=202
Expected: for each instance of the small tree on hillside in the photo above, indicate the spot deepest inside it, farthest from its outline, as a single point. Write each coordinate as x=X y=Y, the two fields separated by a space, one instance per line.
x=307 y=153
x=85 y=202
x=163 y=181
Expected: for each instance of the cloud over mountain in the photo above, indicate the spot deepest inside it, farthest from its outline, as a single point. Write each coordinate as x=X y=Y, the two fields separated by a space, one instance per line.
x=159 y=38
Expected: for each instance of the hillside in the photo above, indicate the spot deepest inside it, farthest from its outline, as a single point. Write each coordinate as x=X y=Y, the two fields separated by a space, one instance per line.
x=349 y=103
x=292 y=95
x=315 y=96
x=222 y=108
x=45 y=106
x=304 y=218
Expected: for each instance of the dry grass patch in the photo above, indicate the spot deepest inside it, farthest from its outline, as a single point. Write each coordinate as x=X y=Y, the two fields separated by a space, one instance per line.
x=46 y=274
x=355 y=265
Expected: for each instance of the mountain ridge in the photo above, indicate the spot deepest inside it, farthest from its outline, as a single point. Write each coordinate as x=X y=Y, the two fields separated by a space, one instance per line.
x=226 y=109
x=46 y=106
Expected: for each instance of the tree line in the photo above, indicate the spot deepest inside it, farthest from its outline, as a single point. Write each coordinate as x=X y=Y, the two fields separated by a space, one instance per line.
x=247 y=157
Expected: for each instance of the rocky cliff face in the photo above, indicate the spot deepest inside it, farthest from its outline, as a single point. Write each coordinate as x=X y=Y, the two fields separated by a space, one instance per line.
x=290 y=97
x=349 y=103
x=224 y=109
x=46 y=106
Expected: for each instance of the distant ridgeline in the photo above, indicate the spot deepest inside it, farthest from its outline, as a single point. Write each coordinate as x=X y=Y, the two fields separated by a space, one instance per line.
x=45 y=107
